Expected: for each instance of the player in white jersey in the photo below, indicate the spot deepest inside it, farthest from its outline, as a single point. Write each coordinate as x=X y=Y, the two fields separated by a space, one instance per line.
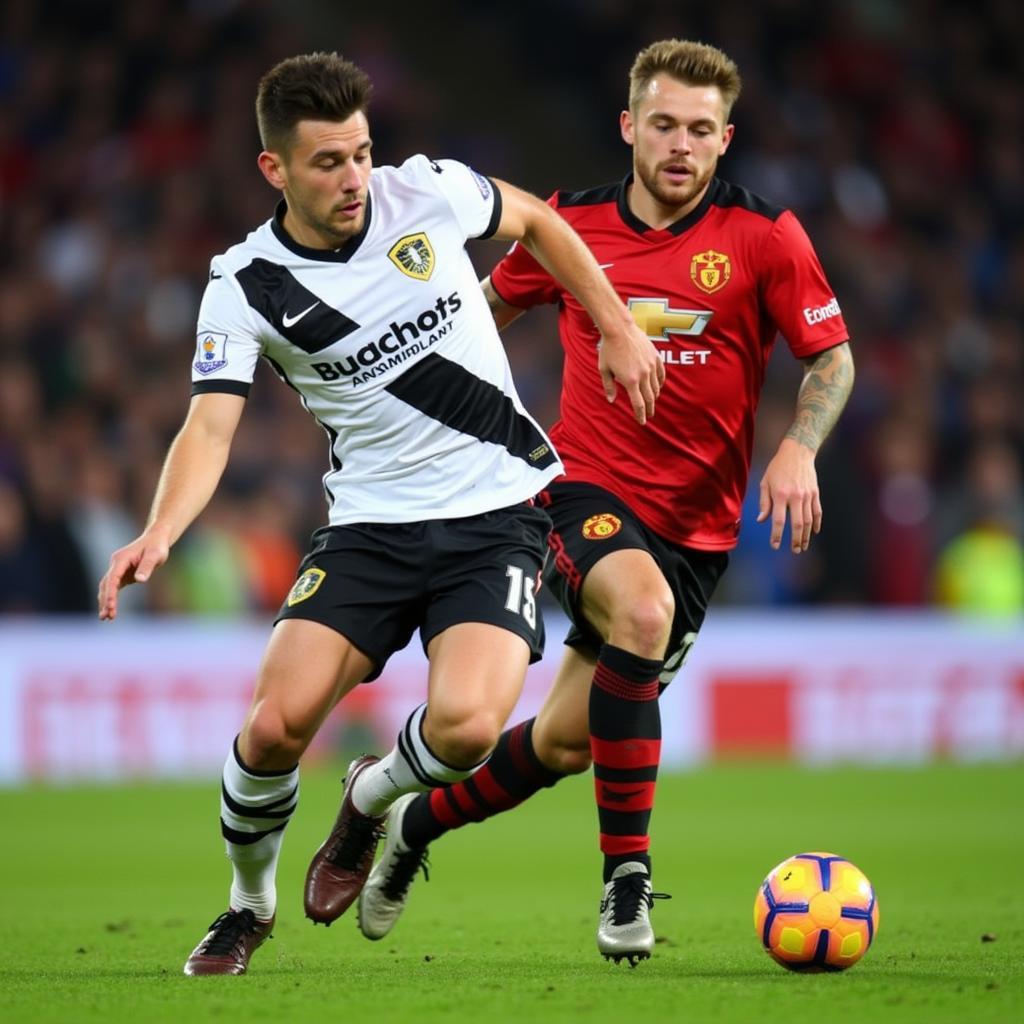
x=359 y=294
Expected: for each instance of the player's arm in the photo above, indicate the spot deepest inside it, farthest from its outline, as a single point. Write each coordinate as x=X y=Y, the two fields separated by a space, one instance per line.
x=626 y=354
x=790 y=483
x=503 y=312
x=191 y=472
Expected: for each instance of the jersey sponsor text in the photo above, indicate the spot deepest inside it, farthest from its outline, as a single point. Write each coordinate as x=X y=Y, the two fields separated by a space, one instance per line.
x=393 y=344
x=817 y=314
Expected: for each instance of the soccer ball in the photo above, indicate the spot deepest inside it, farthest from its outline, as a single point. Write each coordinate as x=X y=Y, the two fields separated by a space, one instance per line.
x=816 y=912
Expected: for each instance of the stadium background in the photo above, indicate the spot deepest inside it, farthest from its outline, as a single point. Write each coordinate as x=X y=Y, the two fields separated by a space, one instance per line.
x=127 y=146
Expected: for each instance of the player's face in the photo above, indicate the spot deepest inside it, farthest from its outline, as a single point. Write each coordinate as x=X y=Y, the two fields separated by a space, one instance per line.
x=677 y=132
x=324 y=177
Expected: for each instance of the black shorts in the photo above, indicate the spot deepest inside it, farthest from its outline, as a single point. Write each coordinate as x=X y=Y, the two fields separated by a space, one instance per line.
x=375 y=583
x=588 y=523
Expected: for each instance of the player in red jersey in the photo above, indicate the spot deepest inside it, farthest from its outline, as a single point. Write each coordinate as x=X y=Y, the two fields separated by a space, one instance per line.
x=644 y=517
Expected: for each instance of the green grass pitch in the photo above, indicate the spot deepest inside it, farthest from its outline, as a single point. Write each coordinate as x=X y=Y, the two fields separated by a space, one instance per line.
x=106 y=889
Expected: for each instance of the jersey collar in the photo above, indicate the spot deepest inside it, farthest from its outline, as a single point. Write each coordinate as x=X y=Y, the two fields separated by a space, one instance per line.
x=675 y=228
x=341 y=255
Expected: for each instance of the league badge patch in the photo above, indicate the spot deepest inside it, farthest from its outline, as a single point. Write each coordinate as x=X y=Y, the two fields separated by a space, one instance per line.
x=211 y=352
x=306 y=586
x=414 y=256
x=602 y=526
x=710 y=270
x=481 y=183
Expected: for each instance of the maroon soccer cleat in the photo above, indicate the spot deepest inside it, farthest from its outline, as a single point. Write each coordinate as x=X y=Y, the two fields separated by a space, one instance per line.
x=337 y=873
x=229 y=943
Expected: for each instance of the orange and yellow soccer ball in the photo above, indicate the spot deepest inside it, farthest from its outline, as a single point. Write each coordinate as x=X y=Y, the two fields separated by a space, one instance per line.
x=816 y=912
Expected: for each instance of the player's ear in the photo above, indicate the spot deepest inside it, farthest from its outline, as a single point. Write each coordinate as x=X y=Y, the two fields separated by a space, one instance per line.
x=726 y=138
x=271 y=164
x=626 y=127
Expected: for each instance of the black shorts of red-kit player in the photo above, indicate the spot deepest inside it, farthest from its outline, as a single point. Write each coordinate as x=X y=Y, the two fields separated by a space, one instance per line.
x=692 y=575
x=511 y=775
x=625 y=743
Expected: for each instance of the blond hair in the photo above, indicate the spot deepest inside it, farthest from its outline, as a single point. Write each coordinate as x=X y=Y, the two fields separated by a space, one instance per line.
x=688 y=62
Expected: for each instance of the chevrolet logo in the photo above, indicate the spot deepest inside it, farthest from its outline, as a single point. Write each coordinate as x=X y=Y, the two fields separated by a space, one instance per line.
x=657 y=320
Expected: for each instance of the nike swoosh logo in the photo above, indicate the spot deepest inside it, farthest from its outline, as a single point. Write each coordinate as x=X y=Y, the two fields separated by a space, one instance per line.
x=215 y=276
x=290 y=321
x=605 y=266
x=619 y=798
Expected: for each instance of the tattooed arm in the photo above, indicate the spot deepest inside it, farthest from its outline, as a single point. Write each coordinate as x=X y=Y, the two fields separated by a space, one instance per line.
x=790 y=483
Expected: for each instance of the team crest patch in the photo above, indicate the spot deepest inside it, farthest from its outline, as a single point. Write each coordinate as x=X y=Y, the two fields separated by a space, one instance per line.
x=602 y=526
x=414 y=256
x=211 y=350
x=306 y=586
x=710 y=270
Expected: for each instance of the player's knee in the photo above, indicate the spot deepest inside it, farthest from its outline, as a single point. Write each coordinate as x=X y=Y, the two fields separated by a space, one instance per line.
x=567 y=760
x=644 y=625
x=465 y=741
x=561 y=739
x=266 y=742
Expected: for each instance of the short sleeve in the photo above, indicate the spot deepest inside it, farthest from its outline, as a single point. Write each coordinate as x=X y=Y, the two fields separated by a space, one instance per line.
x=796 y=293
x=227 y=347
x=473 y=197
x=521 y=281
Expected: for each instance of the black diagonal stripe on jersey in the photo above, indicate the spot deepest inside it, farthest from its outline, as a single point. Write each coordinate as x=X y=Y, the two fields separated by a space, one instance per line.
x=302 y=317
x=444 y=391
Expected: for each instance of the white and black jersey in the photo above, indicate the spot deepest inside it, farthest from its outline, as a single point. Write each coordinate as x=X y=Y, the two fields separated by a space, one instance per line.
x=391 y=346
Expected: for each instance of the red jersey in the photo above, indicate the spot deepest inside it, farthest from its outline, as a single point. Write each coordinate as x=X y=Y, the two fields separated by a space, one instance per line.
x=712 y=291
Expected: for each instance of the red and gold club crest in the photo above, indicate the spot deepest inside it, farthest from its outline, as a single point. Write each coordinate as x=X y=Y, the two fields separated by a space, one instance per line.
x=710 y=270
x=602 y=526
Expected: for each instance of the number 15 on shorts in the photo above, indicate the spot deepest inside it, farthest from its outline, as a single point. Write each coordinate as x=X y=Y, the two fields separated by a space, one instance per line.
x=520 y=599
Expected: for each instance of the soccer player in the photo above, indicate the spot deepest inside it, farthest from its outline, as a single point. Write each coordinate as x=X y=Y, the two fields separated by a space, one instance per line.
x=644 y=519
x=360 y=295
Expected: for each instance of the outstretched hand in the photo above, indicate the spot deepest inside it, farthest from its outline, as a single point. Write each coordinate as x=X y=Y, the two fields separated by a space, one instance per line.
x=134 y=563
x=632 y=361
x=789 y=487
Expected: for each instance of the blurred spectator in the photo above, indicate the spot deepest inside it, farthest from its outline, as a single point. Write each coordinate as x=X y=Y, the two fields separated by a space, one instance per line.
x=980 y=567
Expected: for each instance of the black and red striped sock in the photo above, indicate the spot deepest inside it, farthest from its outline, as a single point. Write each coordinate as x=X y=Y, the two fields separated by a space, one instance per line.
x=625 y=742
x=511 y=775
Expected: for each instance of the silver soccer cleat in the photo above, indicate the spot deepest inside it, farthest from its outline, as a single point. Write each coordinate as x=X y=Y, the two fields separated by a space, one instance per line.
x=387 y=889
x=625 y=929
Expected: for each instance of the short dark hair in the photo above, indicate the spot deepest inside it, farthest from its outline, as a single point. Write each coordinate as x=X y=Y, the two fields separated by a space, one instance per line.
x=688 y=62
x=312 y=86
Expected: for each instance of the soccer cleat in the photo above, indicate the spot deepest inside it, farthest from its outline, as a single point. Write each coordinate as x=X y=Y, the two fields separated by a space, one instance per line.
x=625 y=929
x=339 y=868
x=384 y=896
x=228 y=945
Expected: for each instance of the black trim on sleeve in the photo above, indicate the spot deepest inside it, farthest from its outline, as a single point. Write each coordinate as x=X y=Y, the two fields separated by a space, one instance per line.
x=495 y=220
x=221 y=387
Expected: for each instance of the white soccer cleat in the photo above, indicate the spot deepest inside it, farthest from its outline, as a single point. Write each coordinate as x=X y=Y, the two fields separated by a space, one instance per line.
x=625 y=928
x=387 y=889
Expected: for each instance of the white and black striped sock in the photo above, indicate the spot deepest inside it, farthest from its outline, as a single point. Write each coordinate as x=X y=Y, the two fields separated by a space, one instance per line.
x=255 y=807
x=410 y=767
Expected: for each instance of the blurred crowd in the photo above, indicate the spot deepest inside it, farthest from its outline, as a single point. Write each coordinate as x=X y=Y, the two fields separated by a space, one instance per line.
x=895 y=130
